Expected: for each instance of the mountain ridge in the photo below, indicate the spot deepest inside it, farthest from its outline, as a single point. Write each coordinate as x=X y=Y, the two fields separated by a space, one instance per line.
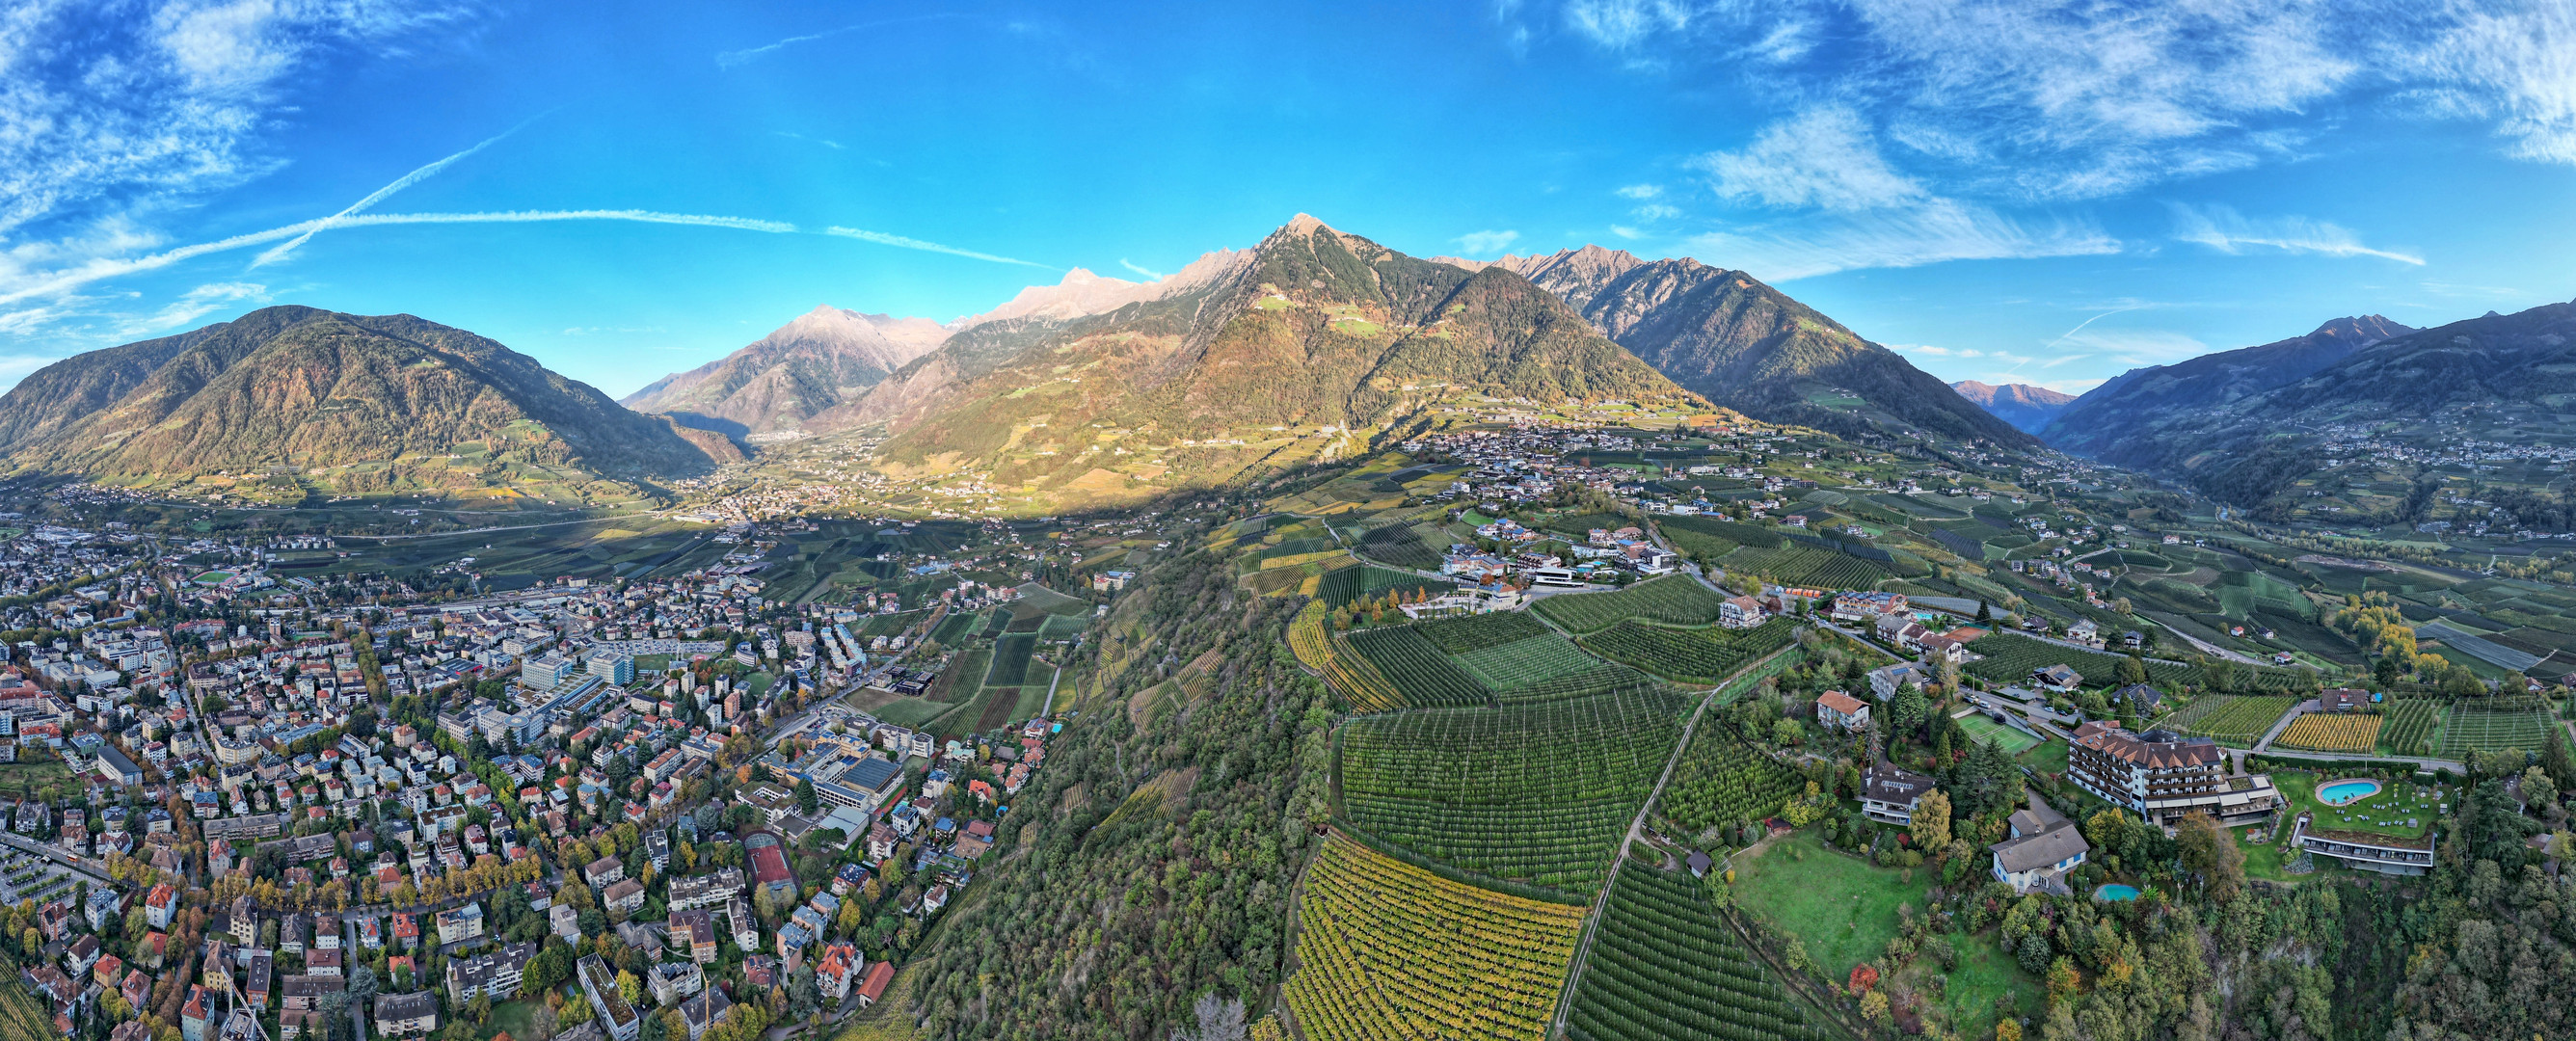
x=2127 y=406
x=301 y=387
x=2026 y=406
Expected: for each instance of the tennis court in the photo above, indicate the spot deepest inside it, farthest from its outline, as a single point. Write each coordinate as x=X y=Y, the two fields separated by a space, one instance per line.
x=2014 y=742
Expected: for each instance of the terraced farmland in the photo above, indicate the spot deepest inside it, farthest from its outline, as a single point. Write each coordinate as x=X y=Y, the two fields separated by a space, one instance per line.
x=2231 y=719
x=1703 y=655
x=1478 y=631
x=1420 y=673
x=1527 y=662
x=2473 y=729
x=2413 y=727
x=1535 y=793
x=1721 y=781
x=2335 y=732
x=1662 y=967
x=1672 y=599
x=1386 y=950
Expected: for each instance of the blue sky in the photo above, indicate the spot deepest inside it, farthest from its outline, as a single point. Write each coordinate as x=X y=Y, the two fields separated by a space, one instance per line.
x=2044 y=192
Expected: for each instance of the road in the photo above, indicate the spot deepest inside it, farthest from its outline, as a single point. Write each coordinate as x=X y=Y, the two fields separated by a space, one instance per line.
x=1049 y=710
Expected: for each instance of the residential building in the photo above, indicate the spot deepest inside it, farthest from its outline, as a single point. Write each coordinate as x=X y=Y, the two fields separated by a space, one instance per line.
x=398 y=1015
x=464 y=922
x=1888 y=793
x=1740 y=612
x=2041 y=848
x=1840 y=711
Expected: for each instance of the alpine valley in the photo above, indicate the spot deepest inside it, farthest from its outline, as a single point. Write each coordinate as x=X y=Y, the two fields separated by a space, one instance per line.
x=1318 y=643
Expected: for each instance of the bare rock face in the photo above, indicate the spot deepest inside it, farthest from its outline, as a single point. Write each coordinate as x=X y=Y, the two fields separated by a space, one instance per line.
x=822 y=358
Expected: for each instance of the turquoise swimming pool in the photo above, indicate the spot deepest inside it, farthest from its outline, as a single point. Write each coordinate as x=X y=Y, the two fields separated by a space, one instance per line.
x=2116 y=891
x=2343 y=792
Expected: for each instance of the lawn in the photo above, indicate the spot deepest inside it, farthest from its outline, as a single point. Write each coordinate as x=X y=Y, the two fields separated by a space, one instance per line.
x=2396 y=801
x=1844 y=909
x=2048 y=758
x=912 y=712
x=2014 y=742
x=513 y=1017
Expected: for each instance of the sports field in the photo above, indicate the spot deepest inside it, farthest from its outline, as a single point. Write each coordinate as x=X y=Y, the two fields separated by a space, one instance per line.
x=2014 y=742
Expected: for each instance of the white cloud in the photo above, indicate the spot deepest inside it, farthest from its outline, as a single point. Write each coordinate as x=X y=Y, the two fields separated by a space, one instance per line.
x=1141 y=269
x=2223 y=229
x=1625 y=232
x=1657 y=211
x=2132 y=346
x=106 y=108
x=1823 y=157
x=736 y=58
x=1479 y=243
x=1640 y=191
x=197 y=303
x=1625 y=23
x=2513 y=62
x=1940 y=230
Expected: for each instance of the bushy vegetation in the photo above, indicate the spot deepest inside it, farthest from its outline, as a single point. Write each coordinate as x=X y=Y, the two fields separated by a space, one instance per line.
x=1721 y=781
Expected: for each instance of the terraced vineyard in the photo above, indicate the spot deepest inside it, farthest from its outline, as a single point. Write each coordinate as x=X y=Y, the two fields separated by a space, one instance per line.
x=1703 y=655
x=2323 y=732
x=1357 y=680
x=1011 y=660
x=1721 y=782
x=2412 y=726
x=2232 y=719
x=1662 y=967
x=1524 y=663
x=1801 y=565
x=1386 y=950
x=2011 y=659
x=1535 y=793
x=1673 y=599
x=1420 y=673
x=1353 y=583
x=1476 y=632
x=2471 y=729
x=1598 y=678
x=1399 y=545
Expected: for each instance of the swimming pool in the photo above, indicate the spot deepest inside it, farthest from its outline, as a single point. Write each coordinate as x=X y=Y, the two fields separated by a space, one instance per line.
x=2116 y=891
x=2342 y=793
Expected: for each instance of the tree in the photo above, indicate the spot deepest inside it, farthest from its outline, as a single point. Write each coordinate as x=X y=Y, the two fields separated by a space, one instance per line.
x=541 y=1022
x=807 y=801
x=2209 y=851
x=2133 y=669
x=1932 y=821
x=479 y=1008
x=2538 y=791
x=629 y=987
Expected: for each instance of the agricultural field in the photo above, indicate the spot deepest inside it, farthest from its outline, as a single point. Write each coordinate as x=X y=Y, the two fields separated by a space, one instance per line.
x=1673 y=599
x=2413 y=727
x=1722 y=781
x=1386 y=950
x=1011 y=660
x=1531 y=793
x=2472 y=729
x=2010 y=658
x=1341 y=587
x=1803 y=565
x=2234 y=720
x=1399 y=545
x=2335 y=732
x=1705 y=654
x=1359 y=682
x=1662 y=966
x=1420 y=673
x=1478 y=631
x=1526 y=663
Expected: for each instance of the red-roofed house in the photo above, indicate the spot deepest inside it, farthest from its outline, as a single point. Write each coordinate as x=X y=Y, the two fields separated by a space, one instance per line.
x=873 y=985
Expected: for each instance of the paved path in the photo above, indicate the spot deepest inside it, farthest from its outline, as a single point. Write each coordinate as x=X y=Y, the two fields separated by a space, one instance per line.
x=1049 y=710
x=1636 y=830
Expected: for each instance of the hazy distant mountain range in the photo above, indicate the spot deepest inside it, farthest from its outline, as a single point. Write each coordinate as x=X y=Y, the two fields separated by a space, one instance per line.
x=2026 y=407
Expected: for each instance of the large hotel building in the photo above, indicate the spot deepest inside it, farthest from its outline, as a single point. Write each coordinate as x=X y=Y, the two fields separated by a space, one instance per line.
x=2164 y=777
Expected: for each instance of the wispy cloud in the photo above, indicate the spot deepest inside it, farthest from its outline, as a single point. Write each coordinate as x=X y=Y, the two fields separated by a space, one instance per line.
x=198 y=303
x=2132 y=346
x=1640 y=192
x=1941 y=230
x=1626 y=232
x=1149 y=273
x=107 y=109
x=1479 y=243
x=280 y=251
x=823 y=141
x=2223 y=229
x=2027 y=101
x=737 y=58
x=883 y=239
x=1824 y=157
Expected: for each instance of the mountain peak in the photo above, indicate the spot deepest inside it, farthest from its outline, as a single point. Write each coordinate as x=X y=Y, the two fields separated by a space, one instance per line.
x=1302 y=224
x=2365 y=329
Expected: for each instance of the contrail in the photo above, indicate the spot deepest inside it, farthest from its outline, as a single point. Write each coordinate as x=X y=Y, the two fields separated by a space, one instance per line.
x=2079 y=326
x=729 y=59
x=884 y=239
x=279 y=252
